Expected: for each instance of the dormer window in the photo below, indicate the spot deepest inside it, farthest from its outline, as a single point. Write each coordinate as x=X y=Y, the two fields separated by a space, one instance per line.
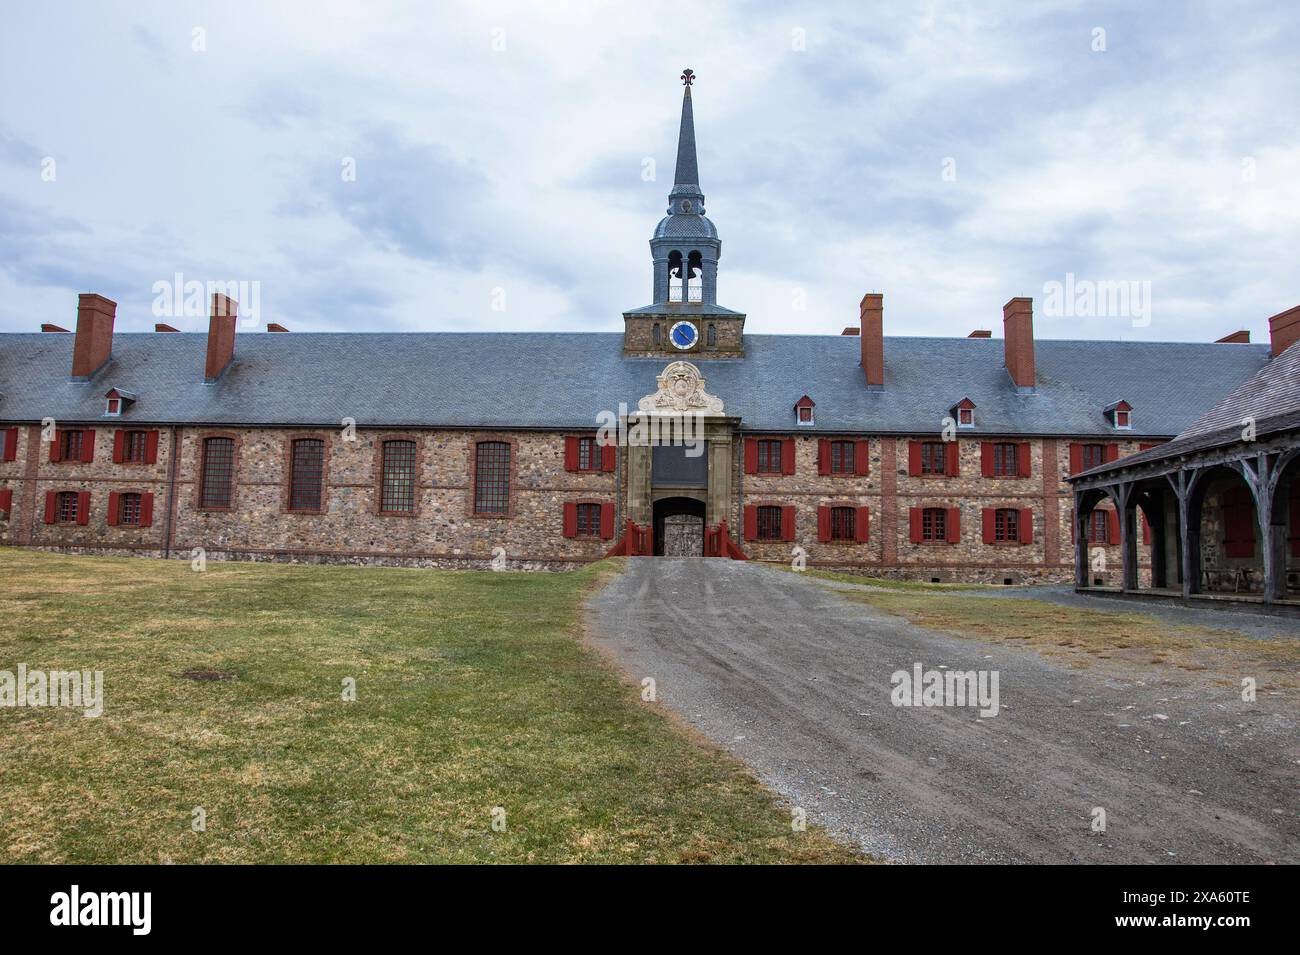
x=964 y=413
x=116 y=401
x=803 y=412
x=1120 y=415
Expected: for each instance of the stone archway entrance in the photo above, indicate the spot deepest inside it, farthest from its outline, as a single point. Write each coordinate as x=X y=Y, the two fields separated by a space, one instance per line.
x=679 y=527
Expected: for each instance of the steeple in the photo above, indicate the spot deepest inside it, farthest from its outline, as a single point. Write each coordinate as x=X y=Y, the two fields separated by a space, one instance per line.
x=684 y=314
x=686 y=181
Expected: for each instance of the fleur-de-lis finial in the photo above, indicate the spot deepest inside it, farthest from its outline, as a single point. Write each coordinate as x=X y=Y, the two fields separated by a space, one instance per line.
x=688 y=76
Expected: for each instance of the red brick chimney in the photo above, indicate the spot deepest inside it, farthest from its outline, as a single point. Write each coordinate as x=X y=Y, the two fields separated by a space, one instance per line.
x=1284 y=329
x=1018 y=332
x=872 y=313
x=851 y=330
x=275 y=327
x=981 y=333
x=94 y=343
x=164 y=327
x=221 y=335
x=1236 y=338
x=50 y=327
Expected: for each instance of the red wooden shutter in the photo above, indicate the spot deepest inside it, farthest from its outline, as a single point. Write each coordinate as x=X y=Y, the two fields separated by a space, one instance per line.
x=11 y=444
x=1112 y=527
x=914 y=524
x=1026 y=526
x=787 y=456
x=119 y=444
x=113 y=498
x=608 y=457
x=862 y=457
x=51 y=506
x=823 y=523
x=570 y=453
x=1022 y=454
x=1076 y=458
x=990 y=517
x=1112 y=453
x=56 y=446
x=570 y=519
x=952 y=467
x=823 y=456
x=606 y=521
x=6 y=500
x=146 y=510
x=87 y=446
x=787 y=522
x=862 y=525
x=751 y=459
x=954 y=525
x=151 y=448
x=986 y=459
x=83 y=507
x=751 y=522
x=914 y=458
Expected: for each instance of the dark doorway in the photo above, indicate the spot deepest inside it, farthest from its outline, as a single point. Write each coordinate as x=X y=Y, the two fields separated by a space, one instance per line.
x=679 y=527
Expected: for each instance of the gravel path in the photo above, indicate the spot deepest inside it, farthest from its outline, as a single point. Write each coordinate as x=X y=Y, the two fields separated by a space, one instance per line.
x=794 y=679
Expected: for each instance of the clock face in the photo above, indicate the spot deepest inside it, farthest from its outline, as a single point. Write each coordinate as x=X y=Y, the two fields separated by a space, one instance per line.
x=683 y=335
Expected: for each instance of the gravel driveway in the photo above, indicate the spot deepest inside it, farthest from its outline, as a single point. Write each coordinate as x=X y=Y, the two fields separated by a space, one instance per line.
x=793 y=678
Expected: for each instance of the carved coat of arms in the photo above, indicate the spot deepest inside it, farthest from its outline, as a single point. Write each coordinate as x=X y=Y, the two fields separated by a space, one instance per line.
x=680 y=390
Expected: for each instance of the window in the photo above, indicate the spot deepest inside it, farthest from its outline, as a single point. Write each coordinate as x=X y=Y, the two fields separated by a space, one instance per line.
x=1122 y=419
x=128 y=508
x=656 y=334
x=1006 y=525
x=134 y=448
x=934 y=456
x=1006 y=460
x=588 y=520
x=712 y=335
x=588 y=455
x=769 y=521
x=805 y=415
x=843 y=523
x=218 y=472
x=842 y=457
x=114 y=407
x=306 y=474
x=492 y=478
x=1097 y=527
x=1094 y=455
x=67 y=511
x=769 y=456
x=1238 y=522
x=934 y=524
x=397 y=493
x=966 y=417
x=70 y=447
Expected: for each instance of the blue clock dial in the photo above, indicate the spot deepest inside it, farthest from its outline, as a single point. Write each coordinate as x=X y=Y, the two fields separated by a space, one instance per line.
x=683 y=334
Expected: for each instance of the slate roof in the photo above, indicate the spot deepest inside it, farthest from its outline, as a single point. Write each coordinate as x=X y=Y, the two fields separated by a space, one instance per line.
x=1271 y=397
x=562 y=380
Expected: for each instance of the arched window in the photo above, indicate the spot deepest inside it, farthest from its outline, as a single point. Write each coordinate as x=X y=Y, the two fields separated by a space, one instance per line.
x=695 y=277
x=713 y=335
x=657 y=334
x=675 y=276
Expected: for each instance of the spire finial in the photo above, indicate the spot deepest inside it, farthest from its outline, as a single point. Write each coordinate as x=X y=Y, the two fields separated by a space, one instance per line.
x=688 y=76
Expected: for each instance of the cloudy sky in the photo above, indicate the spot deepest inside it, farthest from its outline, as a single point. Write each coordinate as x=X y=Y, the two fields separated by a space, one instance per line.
x=950 y=155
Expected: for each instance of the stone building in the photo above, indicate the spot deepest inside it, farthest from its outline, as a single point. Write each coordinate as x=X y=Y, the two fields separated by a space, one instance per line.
x=930 y=458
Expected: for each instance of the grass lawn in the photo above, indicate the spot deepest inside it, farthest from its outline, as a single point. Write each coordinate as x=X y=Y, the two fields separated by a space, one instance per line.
x=473 y=691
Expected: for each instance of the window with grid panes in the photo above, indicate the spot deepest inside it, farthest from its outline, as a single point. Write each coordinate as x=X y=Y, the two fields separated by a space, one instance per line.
x=67 y=507
x=1093 y=455
x=71 y=450
x=307 y=474
x=588 y=455
x=128 y=508
x=1097 y=527
x=218 y=472
x=843 y=521
x=136 y=442
x=1006 y=460
x=588 y=520
x=934 y=524
x=492 y=478
x=934 y=457
x=769 y=456
x=397 y=494
x=1006 y=525
x=769 y=522
x=841 y=457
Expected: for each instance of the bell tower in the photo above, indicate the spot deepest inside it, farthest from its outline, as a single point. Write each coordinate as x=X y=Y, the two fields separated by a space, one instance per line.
x=685 y=318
